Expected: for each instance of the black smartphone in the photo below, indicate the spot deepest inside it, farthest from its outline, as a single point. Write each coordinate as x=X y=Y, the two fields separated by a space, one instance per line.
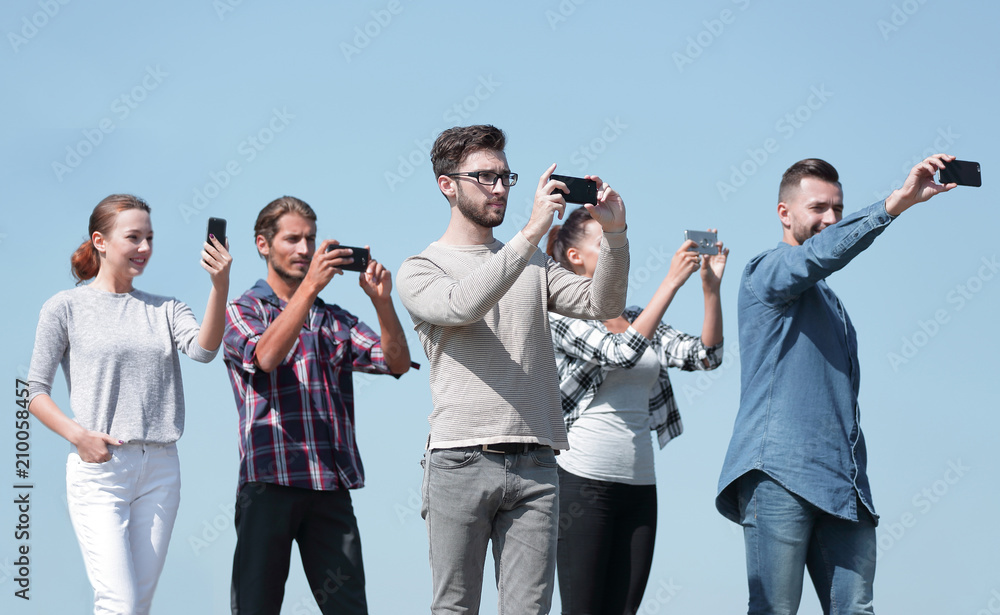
x=961 y=172
x=580 y=190
x=360 y=255
x=217 y=227
x=705 y=240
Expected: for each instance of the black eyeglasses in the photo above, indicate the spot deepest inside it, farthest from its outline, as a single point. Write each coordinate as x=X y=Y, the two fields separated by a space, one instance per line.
x=489 y=178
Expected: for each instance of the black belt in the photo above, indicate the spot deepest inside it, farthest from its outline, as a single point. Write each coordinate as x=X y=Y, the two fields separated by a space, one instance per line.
x=512 y=448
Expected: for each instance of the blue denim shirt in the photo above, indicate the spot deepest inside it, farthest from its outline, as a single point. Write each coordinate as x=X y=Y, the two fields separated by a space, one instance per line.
x=799 y=418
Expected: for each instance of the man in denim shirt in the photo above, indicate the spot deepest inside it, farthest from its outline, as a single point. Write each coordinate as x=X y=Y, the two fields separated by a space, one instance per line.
x=795 y=474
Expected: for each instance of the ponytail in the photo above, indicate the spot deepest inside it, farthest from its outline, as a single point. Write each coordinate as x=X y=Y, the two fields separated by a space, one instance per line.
x=85 y=262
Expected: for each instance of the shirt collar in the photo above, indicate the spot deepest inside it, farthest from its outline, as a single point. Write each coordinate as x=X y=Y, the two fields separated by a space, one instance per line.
x=262 y=291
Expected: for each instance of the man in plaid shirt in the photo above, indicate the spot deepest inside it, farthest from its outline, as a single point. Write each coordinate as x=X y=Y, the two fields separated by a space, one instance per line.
x=290 y=357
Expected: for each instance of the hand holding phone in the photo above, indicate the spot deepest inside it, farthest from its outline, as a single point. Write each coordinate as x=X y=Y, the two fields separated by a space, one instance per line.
x=217 y=227
x=216 y=260
x=704 y=241
x=580 y=190
x=360 y=256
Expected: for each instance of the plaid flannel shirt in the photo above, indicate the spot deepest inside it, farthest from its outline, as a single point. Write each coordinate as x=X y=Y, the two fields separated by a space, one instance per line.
x=586 y=351
x=297 y=421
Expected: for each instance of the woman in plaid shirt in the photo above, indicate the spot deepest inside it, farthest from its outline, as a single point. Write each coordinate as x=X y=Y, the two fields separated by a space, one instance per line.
x=615 y=389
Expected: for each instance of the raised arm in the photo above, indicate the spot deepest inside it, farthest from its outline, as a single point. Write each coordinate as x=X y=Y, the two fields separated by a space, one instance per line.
x=279 y=337
x=587 y=341
x=779 y=276
x=216 y=260
x=602 y=297
x=433 y=296
x=683 y=263
x=712 y=268
x=376 y=281
x=919 y=185
x=783 y=274
x=684 y=351
x=549 y=203
x=679 y=349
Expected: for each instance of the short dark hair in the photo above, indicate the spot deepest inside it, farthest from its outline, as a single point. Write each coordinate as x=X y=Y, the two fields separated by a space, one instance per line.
x=810 y=167
x=267 y=219
x=454 y=144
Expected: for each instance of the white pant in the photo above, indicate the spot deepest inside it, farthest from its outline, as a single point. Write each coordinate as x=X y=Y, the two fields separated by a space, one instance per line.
x=123 y=511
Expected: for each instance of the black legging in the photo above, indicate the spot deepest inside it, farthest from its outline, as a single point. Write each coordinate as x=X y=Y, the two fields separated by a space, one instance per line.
x=606 y=535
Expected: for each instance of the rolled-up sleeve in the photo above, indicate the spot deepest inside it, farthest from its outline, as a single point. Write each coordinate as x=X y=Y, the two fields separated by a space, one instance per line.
x=687 y=352
x=244 y=326
x=367 y=350
x=586 y=341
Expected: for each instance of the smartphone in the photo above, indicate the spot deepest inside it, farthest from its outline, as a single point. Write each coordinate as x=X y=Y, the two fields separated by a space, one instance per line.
x=217 y=227
x=360 y=255
x=705 y=240
x=580 y=190
x=961 y=172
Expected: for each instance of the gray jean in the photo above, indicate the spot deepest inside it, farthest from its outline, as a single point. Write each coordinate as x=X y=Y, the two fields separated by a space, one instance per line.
x=471 y=497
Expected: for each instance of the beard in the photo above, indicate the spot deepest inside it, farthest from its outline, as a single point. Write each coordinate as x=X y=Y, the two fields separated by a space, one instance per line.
x=484 y=215
x=290 y=277
x=802 y=233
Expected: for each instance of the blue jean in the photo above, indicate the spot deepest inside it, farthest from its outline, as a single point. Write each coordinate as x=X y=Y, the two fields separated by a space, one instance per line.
x=471 y=497
x=785 y=534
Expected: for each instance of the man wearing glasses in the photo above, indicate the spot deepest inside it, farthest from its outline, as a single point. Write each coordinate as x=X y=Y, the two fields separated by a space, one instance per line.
x=480 y=308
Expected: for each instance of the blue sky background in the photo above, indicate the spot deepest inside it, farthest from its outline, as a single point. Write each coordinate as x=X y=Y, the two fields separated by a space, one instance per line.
x=691 y=110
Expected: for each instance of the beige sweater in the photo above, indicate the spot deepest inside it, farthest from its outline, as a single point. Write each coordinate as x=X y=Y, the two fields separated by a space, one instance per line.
x=481 y=313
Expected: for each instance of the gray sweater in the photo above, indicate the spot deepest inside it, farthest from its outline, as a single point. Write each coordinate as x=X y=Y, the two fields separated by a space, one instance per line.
x=119 y=354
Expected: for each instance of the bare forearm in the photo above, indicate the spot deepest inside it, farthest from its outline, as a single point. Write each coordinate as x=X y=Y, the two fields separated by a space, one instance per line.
x=711 y=329
x=46 y=411
x=647 y=322
x=276 y=342
x=393 y=340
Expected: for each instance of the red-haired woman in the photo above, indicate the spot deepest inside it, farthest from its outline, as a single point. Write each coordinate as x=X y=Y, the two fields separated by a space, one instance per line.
x=118 y=347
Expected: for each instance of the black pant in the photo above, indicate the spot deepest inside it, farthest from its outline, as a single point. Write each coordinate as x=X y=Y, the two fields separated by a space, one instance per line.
x=268 y=518
x=606 y=535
